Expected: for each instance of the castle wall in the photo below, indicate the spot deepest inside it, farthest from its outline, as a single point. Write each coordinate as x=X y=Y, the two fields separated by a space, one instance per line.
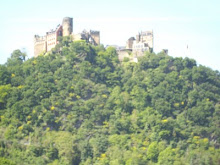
x=48 y=42
x=77 y=37
x=147 y=37
x=122 y=54
x=67 y=26
x=39 y=45
x=140 y=47
x=51 y=41
x=144 y=42
x=52 y=38
x=96 y=36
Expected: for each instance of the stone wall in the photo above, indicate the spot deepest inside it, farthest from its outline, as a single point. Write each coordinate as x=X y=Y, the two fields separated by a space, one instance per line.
x=50 y=40
x=147 y=37
x=67 y=26
x=96 y=36
x=39 y=45
x=130 y=42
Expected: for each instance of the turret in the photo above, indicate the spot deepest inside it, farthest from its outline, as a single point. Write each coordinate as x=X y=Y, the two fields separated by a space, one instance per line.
x=67 y=26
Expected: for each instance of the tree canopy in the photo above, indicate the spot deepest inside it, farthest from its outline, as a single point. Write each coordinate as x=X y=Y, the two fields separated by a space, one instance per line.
x=78 y=105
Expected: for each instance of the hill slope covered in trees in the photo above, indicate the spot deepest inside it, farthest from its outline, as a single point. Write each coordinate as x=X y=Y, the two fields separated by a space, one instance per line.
x=80 y=105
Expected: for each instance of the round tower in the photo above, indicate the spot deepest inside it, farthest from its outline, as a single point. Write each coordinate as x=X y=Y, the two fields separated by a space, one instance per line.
x=67 y=26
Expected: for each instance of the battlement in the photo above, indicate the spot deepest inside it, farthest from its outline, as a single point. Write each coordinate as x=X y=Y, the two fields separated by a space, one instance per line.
x=38 y=38
x=94 y=32
x=51 y=32
x=92 y=36
x=147 y=33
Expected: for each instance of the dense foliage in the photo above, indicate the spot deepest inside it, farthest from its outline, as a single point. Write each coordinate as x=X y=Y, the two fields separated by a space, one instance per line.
x=80 y=105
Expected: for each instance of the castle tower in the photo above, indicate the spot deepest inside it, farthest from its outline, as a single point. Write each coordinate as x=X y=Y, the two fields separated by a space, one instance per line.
x=149 y=38
x=130 y=42
x=67 y=26
x=96 y=36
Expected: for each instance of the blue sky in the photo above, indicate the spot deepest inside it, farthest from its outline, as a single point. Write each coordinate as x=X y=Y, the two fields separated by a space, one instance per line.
x=176 y=24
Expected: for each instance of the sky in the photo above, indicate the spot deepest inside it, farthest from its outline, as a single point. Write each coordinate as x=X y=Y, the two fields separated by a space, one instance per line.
x=177 y=24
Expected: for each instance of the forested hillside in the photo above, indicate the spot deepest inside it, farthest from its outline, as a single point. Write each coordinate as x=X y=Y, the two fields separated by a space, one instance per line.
x=78 y=105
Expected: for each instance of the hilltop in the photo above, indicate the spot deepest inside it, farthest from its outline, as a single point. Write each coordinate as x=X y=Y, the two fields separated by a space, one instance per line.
x=79 y=105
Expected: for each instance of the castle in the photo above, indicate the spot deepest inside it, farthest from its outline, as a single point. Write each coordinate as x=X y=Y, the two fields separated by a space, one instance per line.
x=50 y=40
x=143 y=42
x=135 y=47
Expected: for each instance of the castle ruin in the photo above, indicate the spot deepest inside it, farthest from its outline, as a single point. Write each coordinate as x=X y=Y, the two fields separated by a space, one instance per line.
x=143 y=42
x=135 y=47
x=45 y=43
x=91 y=36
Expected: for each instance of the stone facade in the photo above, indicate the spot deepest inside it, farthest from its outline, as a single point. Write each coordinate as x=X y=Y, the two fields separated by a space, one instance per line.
x=144 y=42
x=130 y=42
x=52 y=37
x=95 y=36
x=145 y=37
x=39 y=45
x=92 y=37
x=136 y=47
x=50 y=40
x=139 y=48
x=67 y=26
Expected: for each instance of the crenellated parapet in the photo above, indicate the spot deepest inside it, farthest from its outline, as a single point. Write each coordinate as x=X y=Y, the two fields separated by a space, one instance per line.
x=92 y=37
x=38 y=38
